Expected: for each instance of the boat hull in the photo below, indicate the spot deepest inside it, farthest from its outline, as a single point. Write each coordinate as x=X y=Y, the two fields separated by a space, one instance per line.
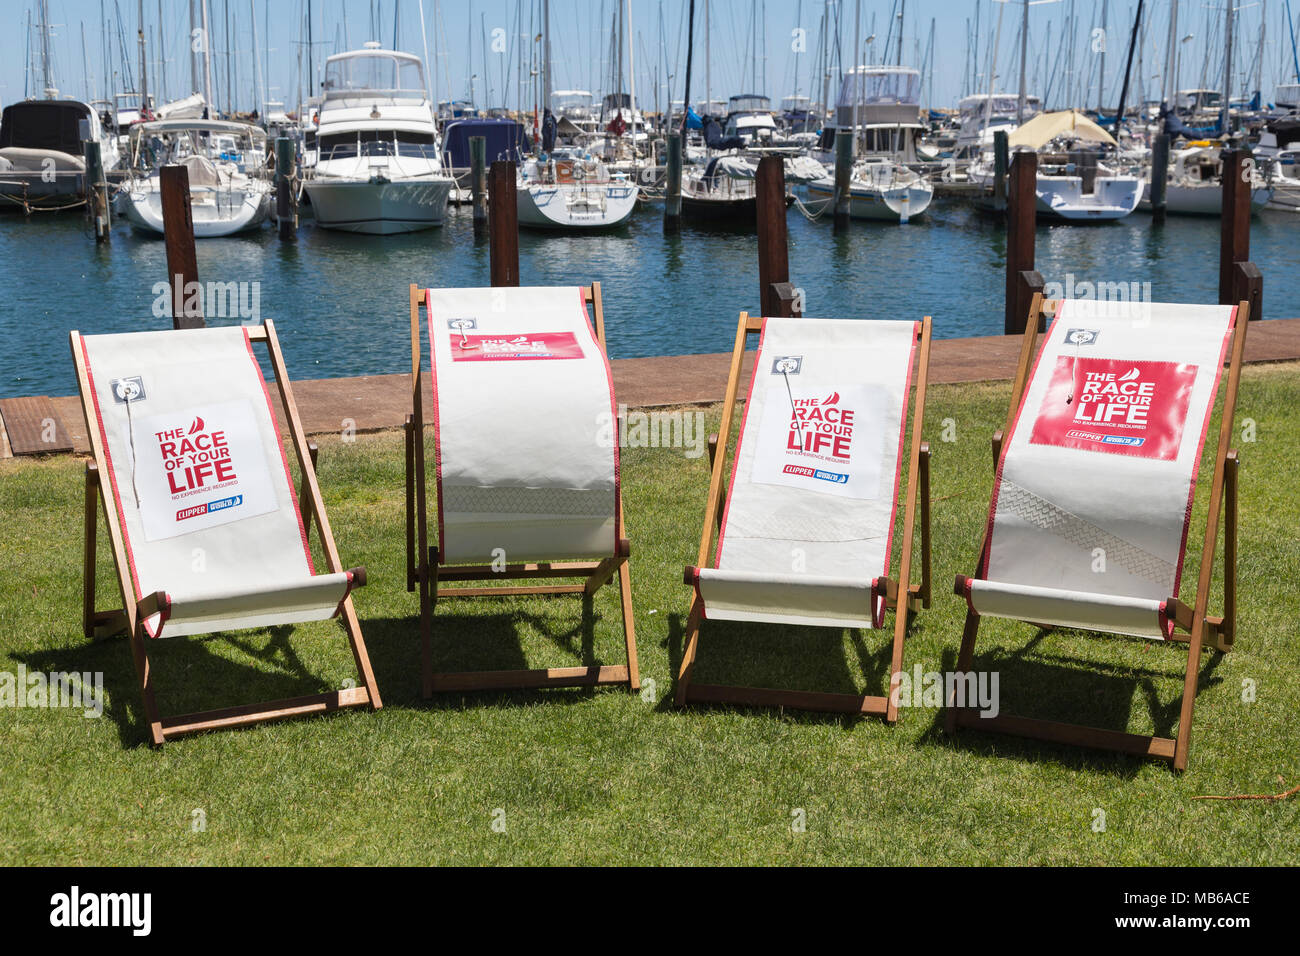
x=1204 y=200
x=575 y=207
x=900 y=204
x=214 y=214
x=379 y=208
x=1113 y=197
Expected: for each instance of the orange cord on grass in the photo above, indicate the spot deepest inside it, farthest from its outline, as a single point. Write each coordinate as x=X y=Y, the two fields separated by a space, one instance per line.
x=1257 y=796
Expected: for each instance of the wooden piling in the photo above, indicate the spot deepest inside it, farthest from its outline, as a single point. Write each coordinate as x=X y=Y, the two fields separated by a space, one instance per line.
x=178 y=235
x=286 y=194
x=1159 y=177
x=478 y=182
x=1022 y=219
x=843 y=179
x=1236 y=283
x=776 y=295
x=503 y=224
x=97 y=205
x=1001 y=161
x=673 y=188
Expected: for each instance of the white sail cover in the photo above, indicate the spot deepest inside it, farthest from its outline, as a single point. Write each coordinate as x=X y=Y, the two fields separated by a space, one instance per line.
x=1088 y=522
x=525 y=426
x=201 y=483
x=810 y=511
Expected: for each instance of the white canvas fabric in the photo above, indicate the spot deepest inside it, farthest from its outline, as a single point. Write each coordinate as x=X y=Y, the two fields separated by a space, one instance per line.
x=525 y=426
x=810 y=510
x=1089 y=515
x=201 y=484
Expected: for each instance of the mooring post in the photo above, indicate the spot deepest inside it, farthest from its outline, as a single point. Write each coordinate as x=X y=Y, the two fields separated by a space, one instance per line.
x=843 y=178
x=286 y=196
x=1001 y=160
x=1022 y=280
x=673 y=189
x=1238 y=276
x=178 y=235
x=1159 y=177
x=503 y=224
x=101 y=217
x=478 y=182
x=776 y=295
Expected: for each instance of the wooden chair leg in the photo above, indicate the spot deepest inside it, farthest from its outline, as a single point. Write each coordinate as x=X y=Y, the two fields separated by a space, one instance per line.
x=427 y=590
x=1228 y=629
x=629 y=625
x=965 y=658
x=144 y=676
x=691 y=641
x=304 y=495
x=1183 y=739
x=88 y=556
x=924 y=490
x=410 y=502
x=896 y=661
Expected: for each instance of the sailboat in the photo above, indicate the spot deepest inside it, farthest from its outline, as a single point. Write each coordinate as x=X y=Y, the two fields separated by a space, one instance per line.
x=570 y=190
x=1077 y=180
x=378 y=169
x=1195 y=184
x=880 y=106
x=225 y=162
x=41 y=162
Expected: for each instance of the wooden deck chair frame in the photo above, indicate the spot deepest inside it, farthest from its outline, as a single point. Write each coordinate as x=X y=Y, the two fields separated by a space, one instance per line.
x=136 y=608
x=917 y=595
x=1192 y=625
x=425 y=571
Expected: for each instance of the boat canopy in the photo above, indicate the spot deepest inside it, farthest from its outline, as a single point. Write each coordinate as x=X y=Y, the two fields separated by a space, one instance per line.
x=1288 y=95
x=374 y=71
x=881 y=86
x=1045 y=127
x=749 y=103
x=47 y=124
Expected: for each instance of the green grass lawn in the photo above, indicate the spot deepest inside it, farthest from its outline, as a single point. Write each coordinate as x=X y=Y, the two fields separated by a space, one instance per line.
x=607 y=776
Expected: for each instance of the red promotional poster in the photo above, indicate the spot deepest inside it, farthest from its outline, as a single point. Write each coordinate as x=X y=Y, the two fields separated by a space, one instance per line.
x=1116 y=406
x=532 y=345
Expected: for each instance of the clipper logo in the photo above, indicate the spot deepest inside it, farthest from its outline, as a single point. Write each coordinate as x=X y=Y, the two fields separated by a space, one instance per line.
x=1107 y=405
x=221 y=504
x=533 y=345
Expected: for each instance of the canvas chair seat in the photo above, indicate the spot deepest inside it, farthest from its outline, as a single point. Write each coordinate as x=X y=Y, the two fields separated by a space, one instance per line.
x=313 y=598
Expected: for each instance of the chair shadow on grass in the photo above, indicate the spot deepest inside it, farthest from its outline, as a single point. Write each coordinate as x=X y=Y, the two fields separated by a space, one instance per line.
x=787 y=657
x=1039 y=683
x=188 y=675
x=493 y=640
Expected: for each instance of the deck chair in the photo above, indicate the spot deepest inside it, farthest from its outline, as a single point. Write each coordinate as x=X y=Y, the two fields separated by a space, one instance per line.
x=1095 y=479
x=527 y=488
x=805 y=525
x=205 y=529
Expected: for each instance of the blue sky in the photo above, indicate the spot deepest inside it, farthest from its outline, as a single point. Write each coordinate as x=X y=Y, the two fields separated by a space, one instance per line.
x=581 y=39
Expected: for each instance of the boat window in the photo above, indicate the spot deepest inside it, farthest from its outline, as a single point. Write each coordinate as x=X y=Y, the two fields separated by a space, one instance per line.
x=416 y=144
x=373 y=71
x=338 y=146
